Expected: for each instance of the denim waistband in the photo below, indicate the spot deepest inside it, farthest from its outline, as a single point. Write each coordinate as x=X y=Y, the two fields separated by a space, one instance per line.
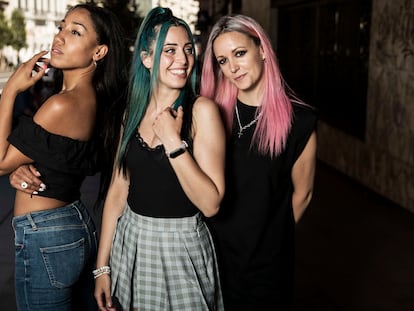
x=34 y=218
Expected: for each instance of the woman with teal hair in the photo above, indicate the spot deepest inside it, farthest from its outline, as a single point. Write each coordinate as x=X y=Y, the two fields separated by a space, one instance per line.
x=155 y=250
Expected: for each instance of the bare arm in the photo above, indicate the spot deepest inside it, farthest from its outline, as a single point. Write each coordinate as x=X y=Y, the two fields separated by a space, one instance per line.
x=303 y=174
x=20 y=80
x=114 y=205
x=201 y=177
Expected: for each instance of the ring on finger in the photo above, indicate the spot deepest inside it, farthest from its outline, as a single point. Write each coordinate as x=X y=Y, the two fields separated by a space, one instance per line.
x=24 y=185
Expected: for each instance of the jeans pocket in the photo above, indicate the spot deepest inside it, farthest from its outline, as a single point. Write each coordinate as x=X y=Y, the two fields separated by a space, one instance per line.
x=64 y=263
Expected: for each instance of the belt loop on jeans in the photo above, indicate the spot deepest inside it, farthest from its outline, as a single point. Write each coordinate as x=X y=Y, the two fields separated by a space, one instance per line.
x=31 y=221
x=75 y=206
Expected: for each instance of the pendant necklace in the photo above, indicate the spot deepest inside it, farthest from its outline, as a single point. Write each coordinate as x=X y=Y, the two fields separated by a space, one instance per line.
x=242 y=128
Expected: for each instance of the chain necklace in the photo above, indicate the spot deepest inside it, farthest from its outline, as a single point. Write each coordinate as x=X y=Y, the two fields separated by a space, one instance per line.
x=242 y=128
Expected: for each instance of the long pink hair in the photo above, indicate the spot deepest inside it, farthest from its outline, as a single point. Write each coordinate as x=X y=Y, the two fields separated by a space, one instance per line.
x=276 y=104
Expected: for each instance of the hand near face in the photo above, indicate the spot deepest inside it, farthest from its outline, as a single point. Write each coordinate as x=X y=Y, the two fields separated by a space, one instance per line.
x=167 y=125
x=27 y=74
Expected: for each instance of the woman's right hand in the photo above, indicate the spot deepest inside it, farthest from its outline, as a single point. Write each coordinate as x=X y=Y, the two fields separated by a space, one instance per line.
x=27 y=74
x=103 y=293
x=26 y=179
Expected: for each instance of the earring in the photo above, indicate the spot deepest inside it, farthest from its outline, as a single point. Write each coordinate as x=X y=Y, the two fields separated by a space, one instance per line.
x=264 y=59
x=95 y=63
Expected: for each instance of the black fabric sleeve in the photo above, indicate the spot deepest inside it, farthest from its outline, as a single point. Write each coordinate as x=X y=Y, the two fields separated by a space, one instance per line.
x=54 y=151
x=304 y=123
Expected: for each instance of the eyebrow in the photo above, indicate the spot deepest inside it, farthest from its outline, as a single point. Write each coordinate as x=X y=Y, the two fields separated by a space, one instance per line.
x=75 y=23
x=233 y=51
x=176 y=44
x=238 y=48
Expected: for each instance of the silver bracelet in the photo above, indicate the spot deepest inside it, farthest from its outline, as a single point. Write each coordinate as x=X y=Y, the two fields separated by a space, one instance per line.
x=101 y=271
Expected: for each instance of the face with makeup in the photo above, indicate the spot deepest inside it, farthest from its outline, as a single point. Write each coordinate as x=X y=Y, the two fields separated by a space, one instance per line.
x=240 y=59
x=176 y=60
x=75 y=45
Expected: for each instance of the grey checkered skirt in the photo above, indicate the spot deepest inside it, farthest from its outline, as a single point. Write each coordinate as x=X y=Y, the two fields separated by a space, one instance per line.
x=164 y=264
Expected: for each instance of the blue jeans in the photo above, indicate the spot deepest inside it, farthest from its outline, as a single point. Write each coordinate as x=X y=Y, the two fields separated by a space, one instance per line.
x=55 y=255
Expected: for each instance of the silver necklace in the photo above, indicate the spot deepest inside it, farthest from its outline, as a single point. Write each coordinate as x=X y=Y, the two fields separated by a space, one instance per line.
x=242 y=128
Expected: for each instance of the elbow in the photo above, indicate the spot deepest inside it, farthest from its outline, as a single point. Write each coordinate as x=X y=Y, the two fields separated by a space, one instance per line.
x=305 y=201
x=300 y=203
x=210 y=212
x=307 y=198
x=4 y=171
x=212 y=208
x=211 y=205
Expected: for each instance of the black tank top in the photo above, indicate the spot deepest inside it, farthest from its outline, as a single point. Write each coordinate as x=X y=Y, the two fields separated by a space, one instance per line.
x=154 y=188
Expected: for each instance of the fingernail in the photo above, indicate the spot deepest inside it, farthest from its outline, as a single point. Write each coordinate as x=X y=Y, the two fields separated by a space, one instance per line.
x=35 y=192
x=38 y=173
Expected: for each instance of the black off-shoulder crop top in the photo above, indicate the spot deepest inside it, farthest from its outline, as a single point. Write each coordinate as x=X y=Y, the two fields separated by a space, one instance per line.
x=62 y=161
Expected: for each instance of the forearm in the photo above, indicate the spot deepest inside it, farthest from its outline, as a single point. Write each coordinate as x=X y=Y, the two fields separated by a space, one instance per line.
x=107 y=232
x=113 y=208
x=19 y=81
x=300 y=201
x=6 y=118
x=202 y=191
x=303 y=175
x=200 y=173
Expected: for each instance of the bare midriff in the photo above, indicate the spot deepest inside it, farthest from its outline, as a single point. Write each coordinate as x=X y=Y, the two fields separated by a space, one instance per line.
x=25 y=203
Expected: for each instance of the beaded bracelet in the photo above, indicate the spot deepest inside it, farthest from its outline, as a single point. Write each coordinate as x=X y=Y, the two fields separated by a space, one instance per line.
x=101 y=271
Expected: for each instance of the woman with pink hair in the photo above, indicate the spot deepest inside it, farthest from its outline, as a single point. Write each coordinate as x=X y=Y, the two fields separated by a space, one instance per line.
x=271 y=158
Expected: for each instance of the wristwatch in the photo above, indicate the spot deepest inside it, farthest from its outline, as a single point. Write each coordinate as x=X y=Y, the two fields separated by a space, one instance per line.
x=176 y=152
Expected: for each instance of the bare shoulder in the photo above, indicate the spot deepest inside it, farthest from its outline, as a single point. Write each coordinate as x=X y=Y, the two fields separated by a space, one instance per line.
x=203 y=106
x=206 y=117
x=66 y=114
x=56 y=106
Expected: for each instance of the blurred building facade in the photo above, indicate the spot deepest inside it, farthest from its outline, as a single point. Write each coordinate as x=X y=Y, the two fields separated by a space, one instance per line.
x=42 y=17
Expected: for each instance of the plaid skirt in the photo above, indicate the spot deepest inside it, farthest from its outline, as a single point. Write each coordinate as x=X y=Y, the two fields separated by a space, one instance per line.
x=160 y=264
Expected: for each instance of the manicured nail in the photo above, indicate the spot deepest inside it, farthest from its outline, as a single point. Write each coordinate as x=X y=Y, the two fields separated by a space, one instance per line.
x=35 y=192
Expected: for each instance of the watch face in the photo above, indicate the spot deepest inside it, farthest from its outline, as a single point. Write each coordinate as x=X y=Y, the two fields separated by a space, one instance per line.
x=176 y=153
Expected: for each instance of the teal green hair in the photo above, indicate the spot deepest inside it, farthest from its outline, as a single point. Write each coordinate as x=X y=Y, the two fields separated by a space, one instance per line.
x=142 y=82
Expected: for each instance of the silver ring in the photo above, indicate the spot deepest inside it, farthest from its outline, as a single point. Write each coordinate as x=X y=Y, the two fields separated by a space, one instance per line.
x=24 y=185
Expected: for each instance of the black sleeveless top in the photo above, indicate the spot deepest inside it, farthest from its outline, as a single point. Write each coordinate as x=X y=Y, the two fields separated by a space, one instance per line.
x=154 y=189
x=254 y=229
x=62 y=161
